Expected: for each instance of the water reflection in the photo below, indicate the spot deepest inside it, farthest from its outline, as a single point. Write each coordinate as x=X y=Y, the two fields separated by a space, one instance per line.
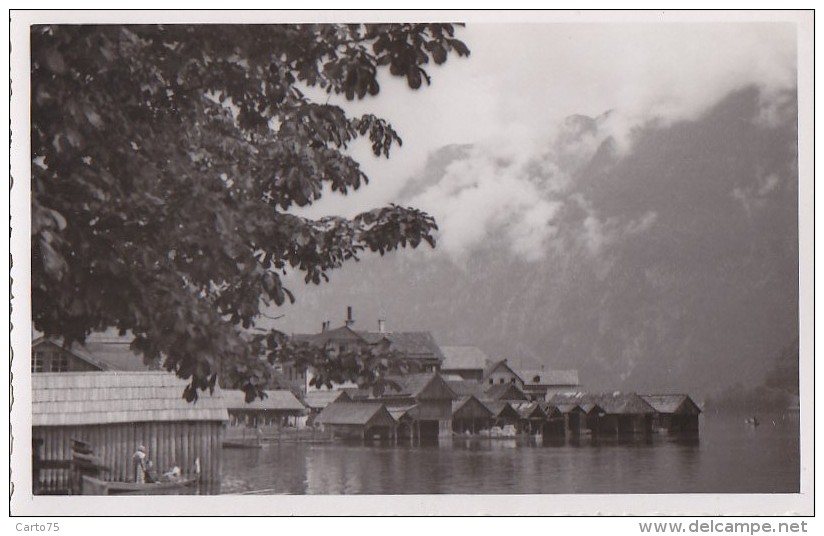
x=727 y=457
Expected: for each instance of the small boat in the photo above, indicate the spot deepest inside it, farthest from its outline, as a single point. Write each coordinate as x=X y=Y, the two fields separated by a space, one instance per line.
x=95 y=486
x=752 y=421
x=242 y=444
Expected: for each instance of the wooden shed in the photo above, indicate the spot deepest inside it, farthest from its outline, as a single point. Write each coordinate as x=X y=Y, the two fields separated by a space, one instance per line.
x=676 y=413
x=503 y=413
x=358 y=419
x=115 y=412
x=470 y=415
x=261 y=418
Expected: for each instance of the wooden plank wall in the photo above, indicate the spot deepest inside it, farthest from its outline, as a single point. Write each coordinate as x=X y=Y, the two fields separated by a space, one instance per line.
x=167 y=443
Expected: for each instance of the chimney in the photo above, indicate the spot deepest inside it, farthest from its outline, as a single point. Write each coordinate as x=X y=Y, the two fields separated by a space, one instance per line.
x=381 y=325
x=349 y=320
x=324 y=326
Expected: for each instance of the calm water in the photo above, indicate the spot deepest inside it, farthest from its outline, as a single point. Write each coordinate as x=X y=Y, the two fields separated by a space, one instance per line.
x=729 y=457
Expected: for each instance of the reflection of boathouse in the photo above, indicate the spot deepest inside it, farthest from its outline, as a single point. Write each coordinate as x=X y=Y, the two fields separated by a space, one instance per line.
x=115 y=412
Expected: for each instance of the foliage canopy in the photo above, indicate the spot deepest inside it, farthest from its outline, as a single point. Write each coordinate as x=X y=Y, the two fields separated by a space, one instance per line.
x=165 y=162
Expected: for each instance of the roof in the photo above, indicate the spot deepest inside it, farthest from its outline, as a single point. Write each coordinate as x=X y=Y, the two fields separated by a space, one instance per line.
x=463 y=358
x=616 y=403
x=81 y=398
x=103 y=351
x=321 y=399
x=497 y=364
x=669 y=403
x=414 y=384
x=360 y=412
x=549 y=377
x=504 y=391
x=465 y=387
x=411 y=343
x=276 y=400
x=529 y=410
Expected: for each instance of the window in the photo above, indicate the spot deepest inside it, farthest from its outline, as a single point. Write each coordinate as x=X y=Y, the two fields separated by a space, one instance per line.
x=37 y=362
x=59 y=362
x=536 y=379
x=491 y=381
x=501 y=380
x=512 y=381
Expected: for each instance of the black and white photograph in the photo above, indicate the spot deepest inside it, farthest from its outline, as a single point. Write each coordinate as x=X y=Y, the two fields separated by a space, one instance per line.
x=444 y=262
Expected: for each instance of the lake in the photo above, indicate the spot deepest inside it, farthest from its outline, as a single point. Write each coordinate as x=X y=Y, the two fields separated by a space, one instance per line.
x=728 y=457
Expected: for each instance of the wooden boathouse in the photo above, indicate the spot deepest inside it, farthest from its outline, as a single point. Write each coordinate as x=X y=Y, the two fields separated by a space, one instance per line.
x=115 y=412
x=470 y=415
x=357 y=420
x=676 y=413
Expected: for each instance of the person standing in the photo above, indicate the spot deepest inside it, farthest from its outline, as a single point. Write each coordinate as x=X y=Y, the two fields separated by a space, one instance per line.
x=140 y=462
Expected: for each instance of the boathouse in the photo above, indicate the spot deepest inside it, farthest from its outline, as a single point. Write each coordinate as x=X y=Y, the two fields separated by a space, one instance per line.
x=618 y=413
x=431 y=396
x=357 y=420
x=470 y=415
x=676 y=413
x=115 y=412
x=503 y=413
x=262 y=418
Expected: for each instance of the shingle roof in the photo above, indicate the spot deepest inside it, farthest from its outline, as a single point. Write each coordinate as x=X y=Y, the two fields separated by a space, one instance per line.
x=494 y=366
x=463 y=358
x=321 y=399
x=412 y=343
x=668 y=403
x=410 y=384
x=104 y=351
x=277 y=400
x=466 y=387
x=504 y=391
x=360 y=412
x=550 y=377
x=529 y=410
x=617 y=403
x=80 y=398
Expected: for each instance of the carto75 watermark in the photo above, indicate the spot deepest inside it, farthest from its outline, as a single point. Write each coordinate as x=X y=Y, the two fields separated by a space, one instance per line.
x=737 y=527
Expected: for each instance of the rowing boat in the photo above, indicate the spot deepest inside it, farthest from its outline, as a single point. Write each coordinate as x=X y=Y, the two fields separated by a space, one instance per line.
x=95 y=486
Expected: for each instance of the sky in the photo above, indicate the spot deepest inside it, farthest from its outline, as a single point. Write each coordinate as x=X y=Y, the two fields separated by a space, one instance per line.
x=511 y=95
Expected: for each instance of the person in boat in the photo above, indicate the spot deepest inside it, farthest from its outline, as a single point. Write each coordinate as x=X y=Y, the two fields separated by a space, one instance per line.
x=140 y=462
x=172 y=474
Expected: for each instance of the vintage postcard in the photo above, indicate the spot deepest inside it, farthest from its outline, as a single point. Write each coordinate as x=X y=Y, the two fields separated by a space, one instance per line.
x=411 y=263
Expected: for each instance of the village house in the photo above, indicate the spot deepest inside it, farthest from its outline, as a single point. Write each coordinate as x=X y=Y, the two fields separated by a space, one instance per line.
x=465 y=362
x=539 y=384
x=675 y=413
x=114 y=413
x=102 y=351
x=500 y=372
x=419 y=348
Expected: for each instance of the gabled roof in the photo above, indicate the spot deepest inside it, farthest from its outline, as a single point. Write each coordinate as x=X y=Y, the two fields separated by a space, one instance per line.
x=81 y=398
x=677 y=403
x=464 y=358
x=529 y=410
x=322 y=338
x=466 y=387
x=360 y=412
x=504 y=391
x=616 y=403
x=276 y=400
x=414 y=344
x=549 y=377
x=418 y=385
x=497 y=365
x=321 y=399
x=470 y=407
x=500 y=407
x=103 y=352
